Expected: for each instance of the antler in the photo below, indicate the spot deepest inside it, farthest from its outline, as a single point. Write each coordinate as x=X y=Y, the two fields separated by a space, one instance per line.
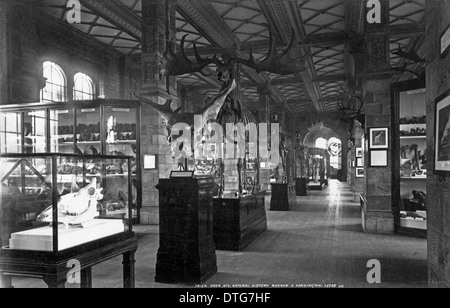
x=351 y=112
x=411 y=55
x=274 y=63
x=164 y=110
x=176 y=64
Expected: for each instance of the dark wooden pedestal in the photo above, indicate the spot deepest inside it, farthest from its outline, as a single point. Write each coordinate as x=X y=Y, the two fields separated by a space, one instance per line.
x=283 y=197
x=187 y=253
x=301 y=187
x=238 y=221
x=53 y=267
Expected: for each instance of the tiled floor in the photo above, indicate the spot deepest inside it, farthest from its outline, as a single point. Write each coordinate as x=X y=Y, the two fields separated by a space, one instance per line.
x=319 y=242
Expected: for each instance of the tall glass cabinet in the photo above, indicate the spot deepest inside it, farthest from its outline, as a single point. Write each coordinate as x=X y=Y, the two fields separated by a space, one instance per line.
x=101 y=127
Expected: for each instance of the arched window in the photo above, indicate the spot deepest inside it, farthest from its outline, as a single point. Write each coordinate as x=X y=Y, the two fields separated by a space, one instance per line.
x=321 y=143
x=335 y=150
x=83 y=88
x=56 y=85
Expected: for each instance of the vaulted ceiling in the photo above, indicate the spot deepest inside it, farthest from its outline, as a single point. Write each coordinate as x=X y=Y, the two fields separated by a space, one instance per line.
x=323 y=29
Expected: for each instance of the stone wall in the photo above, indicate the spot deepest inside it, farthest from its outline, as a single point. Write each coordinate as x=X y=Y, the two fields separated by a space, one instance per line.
x=33 y=38
x=153 y=141
x=378 y=214
x=438 y=188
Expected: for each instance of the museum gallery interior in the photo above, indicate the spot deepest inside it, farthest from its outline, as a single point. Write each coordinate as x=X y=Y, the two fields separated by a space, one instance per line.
x=254 y=143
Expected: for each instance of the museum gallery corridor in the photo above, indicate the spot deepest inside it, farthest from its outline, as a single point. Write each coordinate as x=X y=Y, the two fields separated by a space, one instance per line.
x=320 y=241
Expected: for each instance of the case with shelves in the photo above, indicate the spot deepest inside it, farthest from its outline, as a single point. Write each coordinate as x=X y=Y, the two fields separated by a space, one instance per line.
x=411 y=166
x=101 y=127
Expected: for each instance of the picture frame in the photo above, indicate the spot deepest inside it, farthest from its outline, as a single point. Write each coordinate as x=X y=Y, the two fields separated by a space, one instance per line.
x=379 y=158
x=150 y=162
x=359 y=162
x=444 y=40
x=359 y=152
x=360 y=172
x=379 y=138
x=442 y=135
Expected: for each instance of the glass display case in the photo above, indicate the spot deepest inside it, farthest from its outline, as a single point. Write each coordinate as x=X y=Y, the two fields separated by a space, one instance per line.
x=11 y=126
x=412 y=159
x=102 y=127
x=319 y=168
x=228 y=172
x=56 y=202
x=250 y=171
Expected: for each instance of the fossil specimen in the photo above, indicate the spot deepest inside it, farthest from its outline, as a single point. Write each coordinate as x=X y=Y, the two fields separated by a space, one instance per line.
x=75 y=209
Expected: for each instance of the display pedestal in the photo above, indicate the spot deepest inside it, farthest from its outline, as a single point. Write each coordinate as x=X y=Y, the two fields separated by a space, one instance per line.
x=283 y=197
x=187 y=253
x=53 y=267
x=238 y=221
x=301 y=187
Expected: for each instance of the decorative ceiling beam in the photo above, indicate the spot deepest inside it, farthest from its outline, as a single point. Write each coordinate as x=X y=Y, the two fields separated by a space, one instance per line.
x=284 y=16
x=117 y=14
x=329 y=39
x=281 y=82
x=203 y=17
x=330 y=99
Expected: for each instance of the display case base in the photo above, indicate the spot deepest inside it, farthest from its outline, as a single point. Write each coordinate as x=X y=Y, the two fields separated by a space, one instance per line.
x=187 y=254
x=41 y=239
x=53 y=267
x=301 y=187
x=283 y=198
x=238 y=221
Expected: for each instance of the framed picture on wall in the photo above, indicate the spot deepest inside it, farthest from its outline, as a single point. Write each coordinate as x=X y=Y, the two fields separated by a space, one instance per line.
x=379 y=158
x=359 y=162
x=359 y=152
x=445 y=42
x=360 y=172
x=442 y=135
x=379 y=138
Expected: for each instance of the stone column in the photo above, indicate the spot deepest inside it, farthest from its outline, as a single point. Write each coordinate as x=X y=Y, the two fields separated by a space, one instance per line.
x=438 y=186
x=158 y=27
x=264 y=116
x=377 y=213
x=344 y=157
x=4 y=46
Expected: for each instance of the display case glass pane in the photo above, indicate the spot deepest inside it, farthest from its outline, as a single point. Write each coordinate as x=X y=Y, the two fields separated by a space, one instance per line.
x=88 y=131
x=121 y=132
x=34 y=132
x=82 y=192
x=413 y=160
x=26 y=192
x=10 y=132
x=62 y=138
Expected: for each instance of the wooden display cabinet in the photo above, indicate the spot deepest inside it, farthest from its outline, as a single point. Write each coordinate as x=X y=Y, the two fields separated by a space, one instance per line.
x=410 y=165
x=238 y=220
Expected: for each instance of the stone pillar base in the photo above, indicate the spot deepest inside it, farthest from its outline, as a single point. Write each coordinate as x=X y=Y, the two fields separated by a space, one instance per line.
x=378 y=222
x=150 y=215
x=357 y=196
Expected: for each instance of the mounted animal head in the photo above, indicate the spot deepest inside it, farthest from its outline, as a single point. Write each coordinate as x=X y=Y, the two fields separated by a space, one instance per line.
x=352 y=106
x=276 y=63
x=174 y=118
x=177 y=63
